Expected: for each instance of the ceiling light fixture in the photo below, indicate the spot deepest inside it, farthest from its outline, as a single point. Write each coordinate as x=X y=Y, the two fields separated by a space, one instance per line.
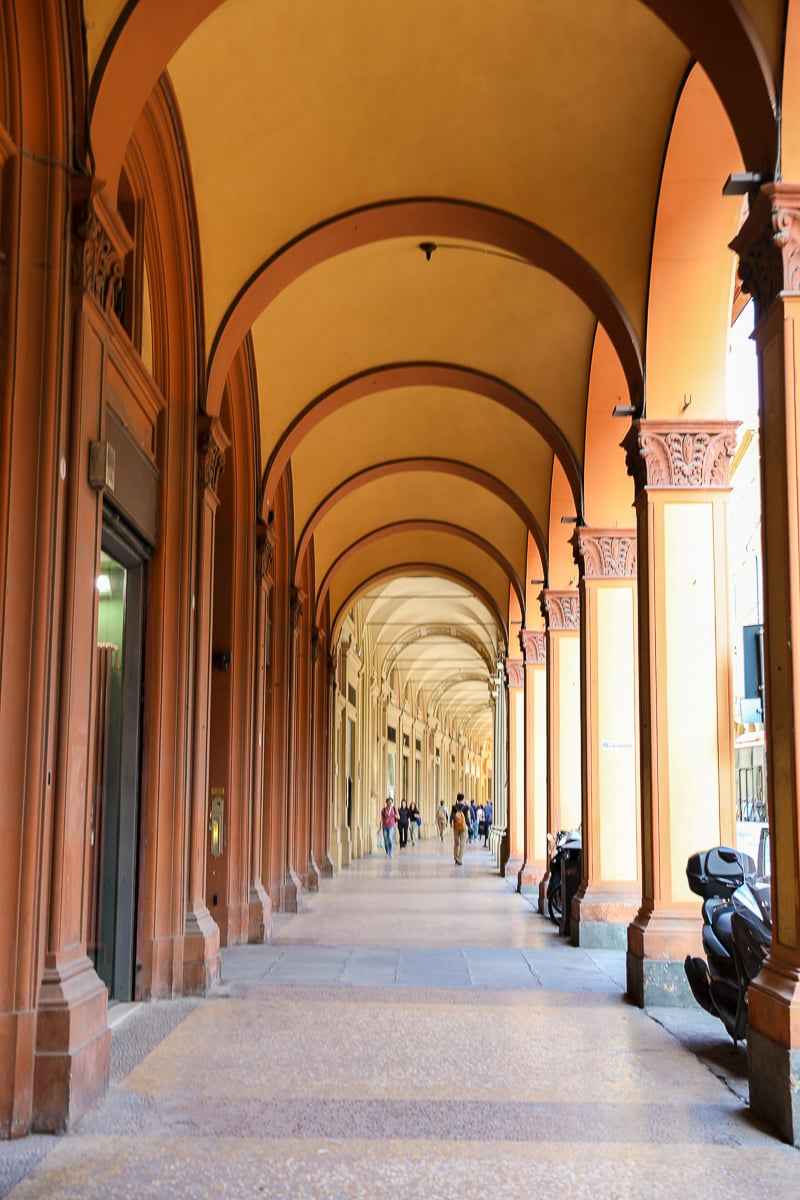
x=427 y=249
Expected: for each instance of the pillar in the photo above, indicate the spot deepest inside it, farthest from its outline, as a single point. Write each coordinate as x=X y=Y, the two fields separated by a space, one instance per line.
x=259 y=921
x=515 y=674
x=768 y=247
x=611 y=892
x=201 y=953
x=292 y=884
x=680 y=476
x=534 y=863
x=561 y=610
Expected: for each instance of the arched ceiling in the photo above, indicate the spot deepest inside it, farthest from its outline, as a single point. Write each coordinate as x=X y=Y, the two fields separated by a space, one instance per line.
x=422 y=400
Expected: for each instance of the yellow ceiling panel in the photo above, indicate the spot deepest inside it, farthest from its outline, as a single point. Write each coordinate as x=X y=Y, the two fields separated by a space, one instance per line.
x=296 y=112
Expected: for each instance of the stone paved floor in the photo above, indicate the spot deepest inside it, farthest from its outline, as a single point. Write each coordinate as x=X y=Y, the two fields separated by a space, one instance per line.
x=417 y=1031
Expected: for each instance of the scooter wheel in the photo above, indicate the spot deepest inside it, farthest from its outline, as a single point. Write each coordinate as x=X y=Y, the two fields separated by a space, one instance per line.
x=554 y=905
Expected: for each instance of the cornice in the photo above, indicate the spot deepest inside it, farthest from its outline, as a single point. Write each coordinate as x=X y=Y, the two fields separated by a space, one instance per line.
x=605 y=553
x=515 y=670
x=534 y=647
x=561 y=610
x=661 y=454
x=768 y=245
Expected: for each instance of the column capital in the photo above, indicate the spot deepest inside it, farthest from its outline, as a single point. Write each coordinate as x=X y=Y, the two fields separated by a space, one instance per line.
x=605 y=553
x=534 y=650
x=212 y=442
x=515 y=670
x=768 y=245
x=317 y=644
x=99 y=243
x=266 y=540
x=561 y=610
x=662 y=454
x=297 y=600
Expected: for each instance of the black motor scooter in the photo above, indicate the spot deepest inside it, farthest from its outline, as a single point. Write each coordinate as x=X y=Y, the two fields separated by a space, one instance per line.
x=567 y=847
x=737 y=933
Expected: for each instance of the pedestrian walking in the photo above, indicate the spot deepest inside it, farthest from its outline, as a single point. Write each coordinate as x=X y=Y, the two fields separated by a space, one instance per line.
x=388 y=824
x=441 y=820
x=402 y=824
x=488 y=817
x=459 y=819
x=414 y=822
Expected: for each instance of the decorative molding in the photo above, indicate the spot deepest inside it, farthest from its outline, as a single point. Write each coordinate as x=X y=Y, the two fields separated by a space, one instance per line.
x=515 y=670
x=317 y=643
x=605 y=553
x=96 y=263
x=534 y=647
x=561 y=610
x=265 y=555
x=659 y=455
x=212 y=442
x=297 y=600
x=768 y=245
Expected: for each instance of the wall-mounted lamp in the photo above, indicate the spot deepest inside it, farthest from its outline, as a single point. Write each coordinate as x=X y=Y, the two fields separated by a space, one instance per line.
x=103 y=585
x=221 y=660
x=569 y=520
x=743 y=183
x=623 y=410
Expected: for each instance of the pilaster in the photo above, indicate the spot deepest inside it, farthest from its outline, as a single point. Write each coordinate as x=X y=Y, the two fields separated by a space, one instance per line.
x=561 y=611
x=534 y=866
x=768 y=246
x=686 y=741
x=293 y=885
x=201 y=942
x=610 y=893
x=515 y=676
x=259 y=922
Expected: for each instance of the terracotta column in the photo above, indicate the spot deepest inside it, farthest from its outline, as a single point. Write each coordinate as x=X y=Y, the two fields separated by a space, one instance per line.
x=201 y=956
x=515 y=675
x=769 y=250
x=611 y=891
x=500 y=820
x=534 y=864
x=685 y=694
x=561 y=610
x=329 y=767
x=292 y=883
x=259 y=925
x=316 y=796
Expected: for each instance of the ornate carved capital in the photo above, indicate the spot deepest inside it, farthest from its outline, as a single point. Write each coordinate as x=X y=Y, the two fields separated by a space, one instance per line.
x=562 y=610
x=768 y=245
x=265 y=555
x=96 y=260
x=515 y=670
x=532 y=642
x=659 y=455
x=317 y=644
x=212 y=442
x=332 y=662
x=297 y=600
x=605 y=553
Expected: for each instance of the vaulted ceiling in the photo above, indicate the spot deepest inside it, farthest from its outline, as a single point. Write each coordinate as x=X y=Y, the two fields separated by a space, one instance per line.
x=421 y=213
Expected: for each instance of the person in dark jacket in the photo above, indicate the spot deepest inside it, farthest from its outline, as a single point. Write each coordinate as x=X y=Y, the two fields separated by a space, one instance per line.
x=403 y=817
x=488 y=817
x=459 y=820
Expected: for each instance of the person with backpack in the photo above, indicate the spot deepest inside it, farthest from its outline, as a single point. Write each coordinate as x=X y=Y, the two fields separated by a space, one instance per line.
x=459 y=819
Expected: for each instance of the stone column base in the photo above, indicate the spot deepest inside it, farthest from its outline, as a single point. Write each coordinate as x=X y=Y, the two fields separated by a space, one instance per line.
x=328 y=867
x=529 y=876
x=259 y=914
x=314 y=876
x=162 y=968
x=291 y=892
x=513 y=867
x=17 y=1049
x=601 y=915
x=202 y=962
x=73 y=1046
x=658 y=942
x=773 y=1047
x=543 y=884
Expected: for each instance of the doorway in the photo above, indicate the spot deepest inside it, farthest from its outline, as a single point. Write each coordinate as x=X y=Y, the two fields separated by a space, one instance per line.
x=115 y=813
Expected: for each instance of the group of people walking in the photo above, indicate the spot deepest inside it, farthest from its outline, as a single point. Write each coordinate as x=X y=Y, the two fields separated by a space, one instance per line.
x=406 y=820
x=469 y=822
